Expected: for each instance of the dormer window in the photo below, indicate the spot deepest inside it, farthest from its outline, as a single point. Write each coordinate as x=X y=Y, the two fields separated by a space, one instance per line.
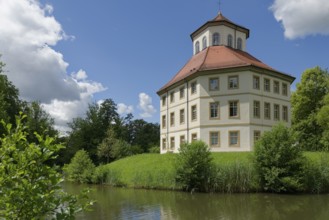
x=197 y=47
x=215 y=39
x=239 y=44
x=229 y=40
x=204 y=43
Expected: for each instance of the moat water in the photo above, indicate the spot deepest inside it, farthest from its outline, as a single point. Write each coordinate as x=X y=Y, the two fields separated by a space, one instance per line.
x=122 y=203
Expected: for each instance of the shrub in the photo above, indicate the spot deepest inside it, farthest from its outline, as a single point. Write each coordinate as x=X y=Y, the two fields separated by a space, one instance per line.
x=279 y=161
x=194 y=167
x=316 y=175
x=121 y=149
x=154 y=150
x=81 y=168
x=30 y=188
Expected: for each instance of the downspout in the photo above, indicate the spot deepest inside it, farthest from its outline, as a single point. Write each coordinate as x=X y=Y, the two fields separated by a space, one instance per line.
x=167 y=120
x=187 y=113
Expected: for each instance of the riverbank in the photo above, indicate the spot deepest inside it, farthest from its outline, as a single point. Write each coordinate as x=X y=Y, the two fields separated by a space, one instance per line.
x=235 y=172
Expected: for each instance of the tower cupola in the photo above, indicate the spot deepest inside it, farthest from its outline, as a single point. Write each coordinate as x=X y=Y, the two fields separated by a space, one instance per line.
x=219 y=32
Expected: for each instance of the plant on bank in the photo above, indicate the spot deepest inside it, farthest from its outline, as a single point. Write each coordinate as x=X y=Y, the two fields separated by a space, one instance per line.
x=30 y=189
x=81 y=169
x=194 y=167
x=279 y=161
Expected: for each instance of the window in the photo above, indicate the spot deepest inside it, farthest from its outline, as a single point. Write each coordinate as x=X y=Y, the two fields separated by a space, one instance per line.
x=276 y=87
x=214 y=139
x=239 y=44
x=204 y=43
x=182 y=116
x=267 y=110
x=285 y=113
x=214 y=110
x=256 y=109
x=164 y=120
x=267 y=85
x=193 y=112
x=163 y=100
x=182 y=140
x=172 y=143
x=276 y=112
x=256 y=136
x=172 y=97
x=233 y=82
x=234 y=109
x=256 y=82
x=215 y=39
x=197 y=47
x=234 y=138
x=229 y=40
x=213 y=84
x=194 y=137
x=182 y=92
x=193 y=87
x=172 y=119
x=164 y=143
x=284 y=89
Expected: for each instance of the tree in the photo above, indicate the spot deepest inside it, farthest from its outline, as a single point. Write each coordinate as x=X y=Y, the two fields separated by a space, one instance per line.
x=81 y=168
x=10 y=104
x=279 y=161
x=306 y=103
x=38 y=120
x=105 y=148
x=144 y=134
x=194 y=167
x=121 y=149
x=87 y=133
x=30 y=189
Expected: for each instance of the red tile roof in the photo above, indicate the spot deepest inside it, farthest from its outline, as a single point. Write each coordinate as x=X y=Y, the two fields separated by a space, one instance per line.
x=218 y=57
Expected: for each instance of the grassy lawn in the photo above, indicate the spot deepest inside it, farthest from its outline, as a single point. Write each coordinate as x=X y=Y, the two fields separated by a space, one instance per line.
x=156 y=171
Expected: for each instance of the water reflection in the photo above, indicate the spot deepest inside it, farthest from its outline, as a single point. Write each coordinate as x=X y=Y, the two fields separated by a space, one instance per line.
x=120 y=203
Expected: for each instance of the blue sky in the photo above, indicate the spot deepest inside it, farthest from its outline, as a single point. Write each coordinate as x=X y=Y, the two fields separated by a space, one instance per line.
x=127 y=50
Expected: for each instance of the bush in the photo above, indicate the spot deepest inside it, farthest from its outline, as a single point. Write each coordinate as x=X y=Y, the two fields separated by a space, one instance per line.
x=316 y=175
x=121 y=149
x=194 y=167
x=154 y=150
x=279 y=161
x=81 y=168
x=30 y=188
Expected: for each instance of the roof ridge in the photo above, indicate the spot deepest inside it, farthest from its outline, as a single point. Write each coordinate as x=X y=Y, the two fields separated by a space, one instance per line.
x=204 y=60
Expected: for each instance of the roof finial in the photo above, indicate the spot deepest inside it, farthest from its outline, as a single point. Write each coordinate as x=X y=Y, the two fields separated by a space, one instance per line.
x=219 y=4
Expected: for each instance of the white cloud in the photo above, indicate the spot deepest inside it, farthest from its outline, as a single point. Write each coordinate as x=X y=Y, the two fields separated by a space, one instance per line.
x=146 y=106
x=124 y=109
x=302 y=17
x=28 y=30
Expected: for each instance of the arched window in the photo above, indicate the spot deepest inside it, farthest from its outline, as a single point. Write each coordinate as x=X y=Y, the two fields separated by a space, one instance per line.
x=197 y=47
x=215 y=39
x=229 y=40
x=239 y=43
x=204 y=42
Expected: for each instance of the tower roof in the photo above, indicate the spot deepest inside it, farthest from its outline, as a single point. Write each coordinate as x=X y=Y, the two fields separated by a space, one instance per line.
x=220 y=20
x=219 y=58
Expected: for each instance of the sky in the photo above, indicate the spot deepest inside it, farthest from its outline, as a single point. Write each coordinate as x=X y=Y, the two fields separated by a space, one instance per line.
x=70 y=53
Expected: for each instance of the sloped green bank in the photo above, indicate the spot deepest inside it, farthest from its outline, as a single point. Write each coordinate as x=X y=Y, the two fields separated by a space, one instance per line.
x=234 y=172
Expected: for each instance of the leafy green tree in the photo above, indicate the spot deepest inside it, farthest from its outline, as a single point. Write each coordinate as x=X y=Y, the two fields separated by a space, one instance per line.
x=121 y=149
x=10 y=104
x=87 y=133
x=38 y=120
x=306 y=103
x=104 y=149
x=81 y=168
x=144 y=134
x=30 y=189
x=279 y=161
x=194 y=167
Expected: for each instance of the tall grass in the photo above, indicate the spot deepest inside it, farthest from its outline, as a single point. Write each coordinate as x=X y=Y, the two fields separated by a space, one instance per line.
x=233 y=172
